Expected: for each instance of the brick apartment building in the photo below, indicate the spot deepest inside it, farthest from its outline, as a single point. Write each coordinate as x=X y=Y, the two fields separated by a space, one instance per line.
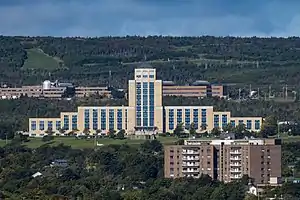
x=226 y=160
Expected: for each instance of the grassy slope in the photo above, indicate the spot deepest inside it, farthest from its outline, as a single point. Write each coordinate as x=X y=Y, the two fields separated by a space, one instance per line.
x=37 y=59
x=88 y=143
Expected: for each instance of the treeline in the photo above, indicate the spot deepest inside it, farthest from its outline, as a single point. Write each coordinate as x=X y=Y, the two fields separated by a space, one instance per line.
x=257 y=61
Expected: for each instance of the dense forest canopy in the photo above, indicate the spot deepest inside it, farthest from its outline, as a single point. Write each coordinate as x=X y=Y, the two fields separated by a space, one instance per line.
x=87 y=61
x=113 y=172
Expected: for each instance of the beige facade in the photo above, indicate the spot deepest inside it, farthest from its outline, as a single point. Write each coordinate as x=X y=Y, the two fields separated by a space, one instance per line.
x=225 y=160
x=145 y=113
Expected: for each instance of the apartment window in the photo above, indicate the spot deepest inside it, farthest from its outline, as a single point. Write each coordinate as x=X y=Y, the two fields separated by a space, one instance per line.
x=151 y=76
x=241 y=122
x=171 y=119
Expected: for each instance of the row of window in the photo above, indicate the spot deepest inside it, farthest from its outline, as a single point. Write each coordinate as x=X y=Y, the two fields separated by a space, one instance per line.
x=42 y=125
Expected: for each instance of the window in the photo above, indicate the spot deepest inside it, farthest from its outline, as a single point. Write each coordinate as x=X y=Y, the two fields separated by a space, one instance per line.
x=66 y=122
x=232 y=122
x=74 y=122
x=151 y=76
x=187 y=118
x=119 y=119
x=42 y=125
x=50 y=125
x=249 y=124
x=58 y=125
x=216 y=121
x=33 y=125
x=95 y=119
x=103 y=119
x=86 y=118
x=171 y=119
x=111 y=119
x=179 y=116
x=257 y=124
x=224 y=120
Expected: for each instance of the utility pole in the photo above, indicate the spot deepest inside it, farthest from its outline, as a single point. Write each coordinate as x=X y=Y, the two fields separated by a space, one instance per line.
x=250 y=88
x=286 y=92
x=258 y=93
x=239 y=94
x=270 y=91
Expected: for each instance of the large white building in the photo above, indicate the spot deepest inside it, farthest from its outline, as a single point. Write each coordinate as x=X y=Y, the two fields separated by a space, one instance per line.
x=144 y=114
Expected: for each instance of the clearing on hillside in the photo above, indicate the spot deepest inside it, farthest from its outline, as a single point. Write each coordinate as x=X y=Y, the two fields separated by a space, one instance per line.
x=37 y=59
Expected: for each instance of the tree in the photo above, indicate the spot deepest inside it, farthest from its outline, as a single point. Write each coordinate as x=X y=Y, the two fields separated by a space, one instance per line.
x=62 y=130
x=269 y=127
x=49 y=131
x=203 y=126
x=121 y=134
x=112 y=133
x=192 y=129
x=86 y=131
x=216 y=132
x=228 y=128
x=178 y=130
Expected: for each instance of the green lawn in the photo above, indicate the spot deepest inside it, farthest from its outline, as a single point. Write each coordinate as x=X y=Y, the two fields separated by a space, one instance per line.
x=37 y=59
x=88 y=143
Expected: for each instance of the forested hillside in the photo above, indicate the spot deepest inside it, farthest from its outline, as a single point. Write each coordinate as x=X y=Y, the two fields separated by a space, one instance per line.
x=87 y=61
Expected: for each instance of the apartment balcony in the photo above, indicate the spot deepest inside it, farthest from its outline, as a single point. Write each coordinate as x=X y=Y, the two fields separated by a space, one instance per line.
x=190 y=152
x=190 y=158
x=236 y=176
x=235 y=152
x=235 y=164
x=189 y=170
x=235 y=158
x=235 y=170
x=190 y=164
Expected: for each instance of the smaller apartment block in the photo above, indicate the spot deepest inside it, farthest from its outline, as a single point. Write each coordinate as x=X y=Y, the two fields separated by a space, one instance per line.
x=226 y=160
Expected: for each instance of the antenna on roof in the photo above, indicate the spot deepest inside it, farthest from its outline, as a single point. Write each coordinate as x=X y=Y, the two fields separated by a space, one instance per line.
x=109 y=78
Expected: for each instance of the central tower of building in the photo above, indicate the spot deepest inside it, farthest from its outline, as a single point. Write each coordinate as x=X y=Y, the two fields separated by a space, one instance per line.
x=145 y=102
